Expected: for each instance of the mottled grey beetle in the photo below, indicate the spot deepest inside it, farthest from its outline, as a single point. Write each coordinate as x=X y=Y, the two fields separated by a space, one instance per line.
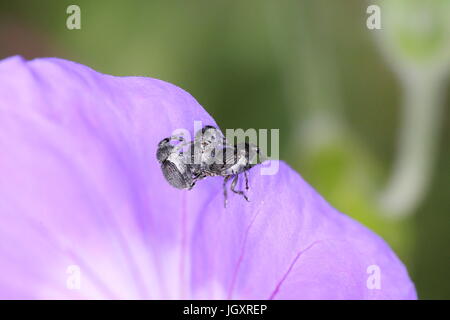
x=173 y=164
x=203 y=149
x=236 y=159
x=207 y=155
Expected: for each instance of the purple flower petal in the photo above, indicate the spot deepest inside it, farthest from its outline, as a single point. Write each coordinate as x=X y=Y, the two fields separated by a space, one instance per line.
x=289 y=243
x=81 y=187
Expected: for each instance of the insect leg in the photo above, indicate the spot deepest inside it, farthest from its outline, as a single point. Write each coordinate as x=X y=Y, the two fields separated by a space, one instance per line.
x=194 y=181
x=233 y=185
x=225 y=180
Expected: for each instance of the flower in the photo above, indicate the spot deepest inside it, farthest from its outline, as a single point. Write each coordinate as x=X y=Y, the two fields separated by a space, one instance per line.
x=86 y=213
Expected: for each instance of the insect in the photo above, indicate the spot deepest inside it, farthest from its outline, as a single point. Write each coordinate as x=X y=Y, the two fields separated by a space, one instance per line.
x=235 y=160
x=174 y=166
x=207 y=155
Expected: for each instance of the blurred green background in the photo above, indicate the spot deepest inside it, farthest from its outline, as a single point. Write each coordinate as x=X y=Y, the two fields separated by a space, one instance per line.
x=363 y=114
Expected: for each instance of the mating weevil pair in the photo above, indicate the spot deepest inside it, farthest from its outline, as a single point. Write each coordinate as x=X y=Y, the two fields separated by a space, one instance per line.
x=208 y=155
